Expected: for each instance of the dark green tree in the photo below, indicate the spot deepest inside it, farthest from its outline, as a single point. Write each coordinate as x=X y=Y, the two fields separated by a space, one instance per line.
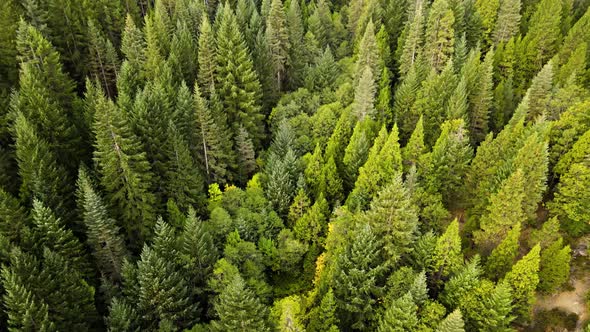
x=400 y=315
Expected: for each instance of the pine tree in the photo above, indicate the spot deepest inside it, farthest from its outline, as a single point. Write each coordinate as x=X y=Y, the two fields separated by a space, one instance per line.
x=554 y=269
x=104 y=62
x=488 y=13
x=482 y=100
x=125 y=171
x=238 y=308
x=42 y=177
x=404 y=98
x=278 y=41
x=440 y=35
x=452 y=323
x=447 y=256
x=296 y=32
x=164 y=293
x=245 y=155
x=508 y=21
x=503 y=256
x=323 y=318
x=463 y=282
x=523 y=280
x=364 y=95
x=571 y=199
x=411 y=48
x=236 y=79
x=198 y=252
x=51 y=233
x=313 y=171
x=369 y=55
x=357 y=151
x=101 y=230
x=212 y=142
x=46 y=96
x=357 y=268
x=457 y=104
x=9 y=12
x=13 y=218
x=415 y=147
x=504 y=212
x=399 y=316
x=539 y=93
x=121 y=316
x=394 y=219
x=184 y=184
x=311 y=227
x=331 y=183
x=384 y=98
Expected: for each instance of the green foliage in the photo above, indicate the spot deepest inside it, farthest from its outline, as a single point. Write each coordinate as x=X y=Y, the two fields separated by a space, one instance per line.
x=554 y=269
x=523 y=279
x=452 y=323
x=447 y=254
x=503 y=256
x=400 y=316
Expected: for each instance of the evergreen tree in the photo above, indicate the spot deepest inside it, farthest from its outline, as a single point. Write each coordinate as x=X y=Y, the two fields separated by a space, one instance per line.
x=482 y=100
x=400 y=315
x=440 y=35
x=452 y=323
x=296 y=32
x=488 y=13
x=369 y=56
x=357 y=151
x=364 y=95
x=571 y=199
x=405 y=97
x=13 y=218
x=102 y=231
x=508 y=21
x=503 y=256
x=357 y=270
x=415 y=147
x=523 y=280
x=411 y=48
x=331 y=183
x=206 y=56
x=447 y=254
x=463 y=282
x=311 y=227
x=245 y=155
x=238 y=308
x=125 y=171
x=277 y=38
x=197 y=250
x=323 y=318
x=504 y=212
x=236 y=79
x=104 y=62
x=212 y=142
x=394 y=219
x=554 y=269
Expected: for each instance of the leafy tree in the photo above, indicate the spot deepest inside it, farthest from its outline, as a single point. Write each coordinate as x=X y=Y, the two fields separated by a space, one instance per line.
x=400 y=316
x=238 y=308
x=554 y=269
x=523 y=280
x=503 y=256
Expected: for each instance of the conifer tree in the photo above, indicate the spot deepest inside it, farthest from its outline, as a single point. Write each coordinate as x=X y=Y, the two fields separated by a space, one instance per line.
x=358 y=267
x=13 y=218
x=198 y=252
x=404 y=98
x=447 y=256
x=539 y=93
x=121 y=316
x=482 y=100
x=508 y=21
x=311 y=227
x=463 y=282
x=125 y=171
x=523 y=280
x=331 y=183
x=412 y=45
x=237 y=82
x=104 y=63
x=313 y=171
x=357 y=151
x=503 y=256
x=415 y=147
x=238 y=308
x=296 y=60
x=571 y=199
x=42 y=177
x=206 y=56
x=384 y=98
x=440 y=35
x=184 y=183
x=394 y=219
x=364 y=95
x=452 y=323
x=504 y=212
x=246 y=157
x=399 y=316
x=369 y=55
x=554 y=269
x=212 y=142
x=457 y=104
x=277 y=38
x=323 y=318
x=488 y=13
x=101 y=230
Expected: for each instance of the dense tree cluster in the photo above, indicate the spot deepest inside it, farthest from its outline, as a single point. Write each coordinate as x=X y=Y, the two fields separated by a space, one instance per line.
x=318 y=165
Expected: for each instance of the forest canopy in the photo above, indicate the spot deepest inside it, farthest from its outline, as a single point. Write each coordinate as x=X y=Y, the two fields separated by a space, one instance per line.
x=290 y=165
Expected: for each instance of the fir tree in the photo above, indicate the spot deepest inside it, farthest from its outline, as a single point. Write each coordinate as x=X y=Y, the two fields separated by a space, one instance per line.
x=503 y=256
x=357 y=151
x=104 y=62
x=440 y=35
x=238 y=308
x=13 y=218
x=102 y=231
x=323 y=318
x=198 y=252
x=236 y=79
x=412 y=45
x=415 y=147
x=125 y=171
x=452 y=323
x=331 y=183
x=482 y=100
x=245 y=155
x=539 y=93
x=554 y=269
x=296 y=32
x=571 y=199
x=369 y=55
x=278 y=41
x=364 y=95
x=447 y=256
x=399 y=316
x=206 y=56
x=523 y=280
x=508 y=20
